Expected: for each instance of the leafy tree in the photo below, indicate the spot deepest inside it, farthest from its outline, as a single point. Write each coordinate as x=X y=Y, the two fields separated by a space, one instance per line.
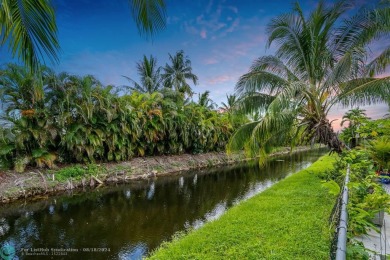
x=150 y=76
x=374 y=128
x=355 y=118
x=319 y=61
x=178 y=72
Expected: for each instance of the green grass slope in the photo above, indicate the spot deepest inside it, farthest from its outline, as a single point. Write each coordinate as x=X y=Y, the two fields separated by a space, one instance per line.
x=287 y=221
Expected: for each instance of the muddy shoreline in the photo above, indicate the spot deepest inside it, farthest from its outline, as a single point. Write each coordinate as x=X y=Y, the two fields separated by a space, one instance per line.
x=39 y=183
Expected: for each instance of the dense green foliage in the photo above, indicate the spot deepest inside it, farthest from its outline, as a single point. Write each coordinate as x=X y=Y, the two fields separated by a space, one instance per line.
x=287 y=221
x=67 y=118
x=373 y=135
x=356 y=118
x=366 y=196
x=320 y=60
x=368 y=160
x=74 y=172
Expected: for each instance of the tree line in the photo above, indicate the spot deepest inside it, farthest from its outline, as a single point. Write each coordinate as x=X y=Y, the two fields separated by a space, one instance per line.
x=53 y=117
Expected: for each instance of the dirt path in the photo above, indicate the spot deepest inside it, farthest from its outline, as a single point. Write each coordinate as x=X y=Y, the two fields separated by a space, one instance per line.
x=39 y=182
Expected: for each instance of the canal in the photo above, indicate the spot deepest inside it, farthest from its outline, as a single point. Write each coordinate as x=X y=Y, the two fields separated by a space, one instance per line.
x=129 y=221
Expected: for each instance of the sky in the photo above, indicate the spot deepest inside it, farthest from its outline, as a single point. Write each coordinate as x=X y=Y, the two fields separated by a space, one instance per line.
x=221 y=37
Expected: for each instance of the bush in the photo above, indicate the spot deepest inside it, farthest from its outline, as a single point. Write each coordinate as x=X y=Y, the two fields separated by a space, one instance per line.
x=74 y=172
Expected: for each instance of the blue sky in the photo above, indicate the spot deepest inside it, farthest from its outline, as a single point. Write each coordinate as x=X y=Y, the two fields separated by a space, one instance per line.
x=221 y=37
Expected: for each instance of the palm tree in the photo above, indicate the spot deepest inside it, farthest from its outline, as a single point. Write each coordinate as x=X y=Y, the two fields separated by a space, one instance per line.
x=176 y=74
x=355 y=118
x=29 y=27
x=30 y=127
x=150 y=76
x=205 y=101
x=231 y=103
x=319 y=62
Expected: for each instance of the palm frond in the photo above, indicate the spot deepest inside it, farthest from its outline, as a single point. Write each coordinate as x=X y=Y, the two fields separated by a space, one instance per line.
x=365 y=91
x=254 y=102
x=379 y=64
x=149 y=15
x=361 y=29
x=286 y=30
x=30 y=28
x=259 y=81
x=241 y=136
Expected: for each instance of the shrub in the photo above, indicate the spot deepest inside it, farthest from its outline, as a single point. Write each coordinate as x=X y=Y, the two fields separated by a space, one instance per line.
x=75 y=172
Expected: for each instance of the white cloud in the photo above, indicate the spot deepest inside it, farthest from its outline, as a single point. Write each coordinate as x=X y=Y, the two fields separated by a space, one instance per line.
x=217 y=20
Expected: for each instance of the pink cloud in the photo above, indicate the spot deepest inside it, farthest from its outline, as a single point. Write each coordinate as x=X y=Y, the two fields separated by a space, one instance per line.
x=203 y=34
x=211 y=60
x=221 y=79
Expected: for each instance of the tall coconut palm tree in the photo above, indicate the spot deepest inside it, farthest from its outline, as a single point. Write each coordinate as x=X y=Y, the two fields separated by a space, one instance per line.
x=29 y=26
x=319 y=62
x=150 y=76
x=176 y=75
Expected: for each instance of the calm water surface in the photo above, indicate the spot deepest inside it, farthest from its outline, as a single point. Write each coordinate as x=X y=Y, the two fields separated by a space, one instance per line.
x=132 y=220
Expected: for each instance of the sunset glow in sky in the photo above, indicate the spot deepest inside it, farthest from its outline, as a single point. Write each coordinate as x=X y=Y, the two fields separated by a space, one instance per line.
x=221 y=37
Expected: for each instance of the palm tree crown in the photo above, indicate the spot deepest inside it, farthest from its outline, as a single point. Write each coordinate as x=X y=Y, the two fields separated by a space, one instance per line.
x=319 y=62
x=150 y=76
x=204 y=100
x=231 y=103
x=176 y=75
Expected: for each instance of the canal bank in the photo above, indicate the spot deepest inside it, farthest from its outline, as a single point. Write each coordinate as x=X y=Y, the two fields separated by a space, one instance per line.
x=287 y=221
x=133 y=219
x=41 y=183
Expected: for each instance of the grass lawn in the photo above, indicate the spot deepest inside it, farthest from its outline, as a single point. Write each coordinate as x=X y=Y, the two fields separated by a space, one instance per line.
x=287 y=221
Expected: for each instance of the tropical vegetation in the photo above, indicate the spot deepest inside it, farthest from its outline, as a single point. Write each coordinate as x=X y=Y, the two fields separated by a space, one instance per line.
x=321 y=60
x=178 y=72
x=54 y=118
x=355 y=118
x=368 y=163
x=150 y=76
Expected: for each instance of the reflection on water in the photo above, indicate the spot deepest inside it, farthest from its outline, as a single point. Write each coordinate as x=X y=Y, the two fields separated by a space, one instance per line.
x=131 y=220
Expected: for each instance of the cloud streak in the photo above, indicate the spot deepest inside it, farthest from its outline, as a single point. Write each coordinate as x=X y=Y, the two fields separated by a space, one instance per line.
x=215 y=21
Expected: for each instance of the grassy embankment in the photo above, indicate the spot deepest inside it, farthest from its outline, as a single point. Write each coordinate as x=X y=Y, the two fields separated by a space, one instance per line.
x=287 y=221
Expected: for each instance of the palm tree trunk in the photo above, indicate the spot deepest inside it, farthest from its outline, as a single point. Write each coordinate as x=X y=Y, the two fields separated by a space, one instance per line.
x=330 y=138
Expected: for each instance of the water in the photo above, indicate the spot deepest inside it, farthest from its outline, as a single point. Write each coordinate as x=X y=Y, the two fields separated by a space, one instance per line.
x=129 y=221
